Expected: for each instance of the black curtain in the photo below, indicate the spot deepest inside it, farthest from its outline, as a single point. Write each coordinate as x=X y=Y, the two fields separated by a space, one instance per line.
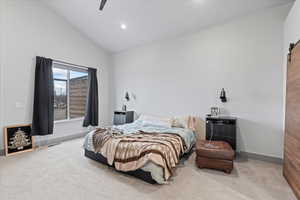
x=43 y=106
x=91 y=111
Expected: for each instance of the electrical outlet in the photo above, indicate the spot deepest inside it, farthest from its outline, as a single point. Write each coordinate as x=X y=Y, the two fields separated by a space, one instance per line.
x=19 y=105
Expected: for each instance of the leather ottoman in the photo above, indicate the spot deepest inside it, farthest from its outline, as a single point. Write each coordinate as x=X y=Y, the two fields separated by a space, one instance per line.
x=214 y=155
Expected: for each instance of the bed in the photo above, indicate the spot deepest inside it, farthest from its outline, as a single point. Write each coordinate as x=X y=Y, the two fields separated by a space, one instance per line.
x=172 y=142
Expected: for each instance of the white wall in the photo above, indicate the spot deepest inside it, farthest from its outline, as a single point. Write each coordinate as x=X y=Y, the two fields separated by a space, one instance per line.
x=31 y=29
x=291 y=35
x=184 y=76
x=1 y=61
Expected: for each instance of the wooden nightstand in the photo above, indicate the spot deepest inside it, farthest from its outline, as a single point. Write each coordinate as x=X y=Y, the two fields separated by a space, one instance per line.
x=123 y=117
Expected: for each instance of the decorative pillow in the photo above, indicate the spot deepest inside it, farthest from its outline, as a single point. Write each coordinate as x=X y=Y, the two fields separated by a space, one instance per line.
x=180 y=122
x=184 y=122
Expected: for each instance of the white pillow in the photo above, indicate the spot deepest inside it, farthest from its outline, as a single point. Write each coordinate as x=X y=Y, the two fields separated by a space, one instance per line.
x=148 y=120
x=188 y=122
x=180 y=122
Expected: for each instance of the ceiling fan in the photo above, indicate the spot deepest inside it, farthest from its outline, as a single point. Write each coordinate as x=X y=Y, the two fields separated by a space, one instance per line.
x=102 y=4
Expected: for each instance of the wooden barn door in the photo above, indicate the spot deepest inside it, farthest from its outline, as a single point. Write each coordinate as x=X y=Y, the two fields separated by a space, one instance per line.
x=291 y=168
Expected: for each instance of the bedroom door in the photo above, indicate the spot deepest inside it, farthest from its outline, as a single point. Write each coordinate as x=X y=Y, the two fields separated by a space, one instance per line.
x=291 y=168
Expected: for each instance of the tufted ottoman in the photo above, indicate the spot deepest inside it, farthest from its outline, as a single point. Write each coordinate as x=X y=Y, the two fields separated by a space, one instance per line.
x=214 y=155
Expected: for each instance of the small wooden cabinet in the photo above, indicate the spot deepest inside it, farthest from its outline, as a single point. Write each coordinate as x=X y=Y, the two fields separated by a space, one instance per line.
x=123 y=117
x=221 y=128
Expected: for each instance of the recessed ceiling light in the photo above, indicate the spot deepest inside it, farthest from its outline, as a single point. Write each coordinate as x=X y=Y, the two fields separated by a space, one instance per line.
x=123 y=26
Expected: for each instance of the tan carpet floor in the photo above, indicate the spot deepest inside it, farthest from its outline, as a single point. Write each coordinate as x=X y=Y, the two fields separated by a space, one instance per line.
x=63 y=173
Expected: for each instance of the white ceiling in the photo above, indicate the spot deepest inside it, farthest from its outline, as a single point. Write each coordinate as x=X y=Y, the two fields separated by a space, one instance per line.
x=150 y=20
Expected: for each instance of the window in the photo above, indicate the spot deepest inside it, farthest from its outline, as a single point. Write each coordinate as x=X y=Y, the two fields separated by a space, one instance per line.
x=70 y=92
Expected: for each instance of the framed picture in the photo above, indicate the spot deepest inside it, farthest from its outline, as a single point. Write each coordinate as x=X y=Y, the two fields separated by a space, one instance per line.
x=17 y=139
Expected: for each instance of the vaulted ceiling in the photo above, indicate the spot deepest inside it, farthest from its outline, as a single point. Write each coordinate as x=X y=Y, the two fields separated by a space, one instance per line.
x=150 y=20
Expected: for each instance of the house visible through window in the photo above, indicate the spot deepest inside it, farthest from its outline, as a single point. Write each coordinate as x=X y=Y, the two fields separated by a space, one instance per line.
x=70 y=92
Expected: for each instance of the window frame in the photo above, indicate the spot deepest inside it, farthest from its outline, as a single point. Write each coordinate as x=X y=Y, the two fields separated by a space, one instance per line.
x=68 y=68
x=67 y=94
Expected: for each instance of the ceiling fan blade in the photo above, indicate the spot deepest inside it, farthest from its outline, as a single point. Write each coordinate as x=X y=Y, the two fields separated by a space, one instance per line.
x=103 y=2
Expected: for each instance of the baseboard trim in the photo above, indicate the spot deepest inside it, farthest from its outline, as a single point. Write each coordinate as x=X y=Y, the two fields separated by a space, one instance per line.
x=54 y=141
x=260 y=157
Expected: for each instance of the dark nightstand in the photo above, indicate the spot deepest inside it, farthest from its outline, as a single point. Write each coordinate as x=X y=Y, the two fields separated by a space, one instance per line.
x=123 y=117
x=221 y=128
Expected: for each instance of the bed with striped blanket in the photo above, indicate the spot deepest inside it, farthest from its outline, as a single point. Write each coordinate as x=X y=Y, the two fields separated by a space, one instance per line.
x=131 y=147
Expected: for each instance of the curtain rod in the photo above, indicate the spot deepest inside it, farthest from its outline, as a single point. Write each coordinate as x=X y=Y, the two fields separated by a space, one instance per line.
x=71 y=64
